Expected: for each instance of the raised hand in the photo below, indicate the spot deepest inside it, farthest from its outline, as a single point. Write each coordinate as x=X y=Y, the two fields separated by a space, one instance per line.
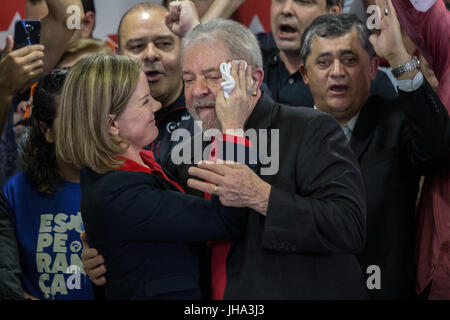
x=182 y=17
x=20 y=68
x=388 y=44
x=93 y=262
x=233 y=112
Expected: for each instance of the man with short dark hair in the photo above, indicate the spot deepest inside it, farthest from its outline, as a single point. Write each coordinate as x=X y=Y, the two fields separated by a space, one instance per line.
x=143 y=35
x=308 y=213
x=281 y=47
x=394 y=140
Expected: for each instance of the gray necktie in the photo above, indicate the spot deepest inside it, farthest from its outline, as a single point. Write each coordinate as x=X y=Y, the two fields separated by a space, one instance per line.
x=347 y=132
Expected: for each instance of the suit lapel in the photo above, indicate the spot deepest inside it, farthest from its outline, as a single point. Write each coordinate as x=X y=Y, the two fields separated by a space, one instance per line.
x=261 y=117
x=364 y=128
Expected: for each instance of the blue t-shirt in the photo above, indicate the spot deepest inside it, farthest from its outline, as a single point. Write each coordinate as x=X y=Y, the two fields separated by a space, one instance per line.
x=48 y=228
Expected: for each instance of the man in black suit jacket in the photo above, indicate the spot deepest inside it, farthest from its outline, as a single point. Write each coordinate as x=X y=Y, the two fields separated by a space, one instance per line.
x=394 y=140
x=307 y=219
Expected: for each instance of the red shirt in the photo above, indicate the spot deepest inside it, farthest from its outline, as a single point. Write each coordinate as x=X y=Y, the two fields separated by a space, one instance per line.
x=153 y=167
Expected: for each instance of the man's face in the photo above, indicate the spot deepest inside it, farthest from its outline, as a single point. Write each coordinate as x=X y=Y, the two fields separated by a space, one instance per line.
x=290 y=18
x=145 y=37
x=202 y=78
x=36 y=11
x=338 y=72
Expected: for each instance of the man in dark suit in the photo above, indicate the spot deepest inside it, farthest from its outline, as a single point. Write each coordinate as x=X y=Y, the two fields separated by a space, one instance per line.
x=311 y=221
x=280 y=48
x=394 y=140
x=307 y=218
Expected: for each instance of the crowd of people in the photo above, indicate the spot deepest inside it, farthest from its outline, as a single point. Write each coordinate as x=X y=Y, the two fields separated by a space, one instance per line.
x=95 y=203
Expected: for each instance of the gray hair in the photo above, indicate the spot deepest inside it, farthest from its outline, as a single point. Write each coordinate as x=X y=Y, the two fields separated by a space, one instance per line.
x=241 y=42
x=335 y=25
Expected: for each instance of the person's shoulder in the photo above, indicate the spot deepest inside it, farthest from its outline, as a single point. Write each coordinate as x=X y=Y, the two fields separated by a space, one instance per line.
x=19 y=180
x=384 y=106
x=303 y=114
x=19 y=187
x=266 y=42
x=118 y=177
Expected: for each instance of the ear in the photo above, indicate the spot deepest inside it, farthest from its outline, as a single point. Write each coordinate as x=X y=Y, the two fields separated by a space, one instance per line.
x=88 y=24
x=47 y=132
x=374 y=63
x=258 y=77
x=304 y=74
x=335 y=8
x=113 y=128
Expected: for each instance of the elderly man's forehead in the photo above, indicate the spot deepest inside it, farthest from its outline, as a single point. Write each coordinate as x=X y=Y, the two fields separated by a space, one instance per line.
x=209 y=54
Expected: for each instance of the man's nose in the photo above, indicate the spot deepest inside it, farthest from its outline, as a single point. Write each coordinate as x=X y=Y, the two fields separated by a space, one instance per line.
x=200 y=87
x=151 y=53
x=337 y=69
x=287 y=8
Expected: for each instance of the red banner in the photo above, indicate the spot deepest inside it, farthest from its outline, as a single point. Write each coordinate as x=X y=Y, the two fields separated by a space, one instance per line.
x=255 y=14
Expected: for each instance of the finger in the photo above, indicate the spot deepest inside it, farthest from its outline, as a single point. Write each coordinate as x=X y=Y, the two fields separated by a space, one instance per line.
x=22 y=52
x=211 y=166
x=175 y=9
x=9 y=45
x=93 y=263
x=168 y=20
x=84 y=239
x=34 y=76
x=220 y=98
x=88 y=253
x=234 y=72
x=373 y=39
x=32 y=56
x=97 y=272
x=206 y=175
x=391 y=9
x=99 y=282
x=249 y=74
x=242 y=76
x=382 y=5
x=37 y=64
x=201 y=186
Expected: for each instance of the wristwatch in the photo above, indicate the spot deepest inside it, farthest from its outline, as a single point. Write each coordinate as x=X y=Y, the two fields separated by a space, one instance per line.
x=408 y=66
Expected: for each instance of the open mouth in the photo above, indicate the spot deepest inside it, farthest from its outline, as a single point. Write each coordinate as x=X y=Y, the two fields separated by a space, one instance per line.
x=201 y=109
x=287 y=31
x=287 y=28
x=153 y=75
x=338 y=89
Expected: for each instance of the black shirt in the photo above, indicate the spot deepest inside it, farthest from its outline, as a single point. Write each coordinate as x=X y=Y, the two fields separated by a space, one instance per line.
x=290 y=89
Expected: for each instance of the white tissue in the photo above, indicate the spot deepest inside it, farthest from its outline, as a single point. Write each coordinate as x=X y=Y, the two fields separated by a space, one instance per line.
x=229 y=83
